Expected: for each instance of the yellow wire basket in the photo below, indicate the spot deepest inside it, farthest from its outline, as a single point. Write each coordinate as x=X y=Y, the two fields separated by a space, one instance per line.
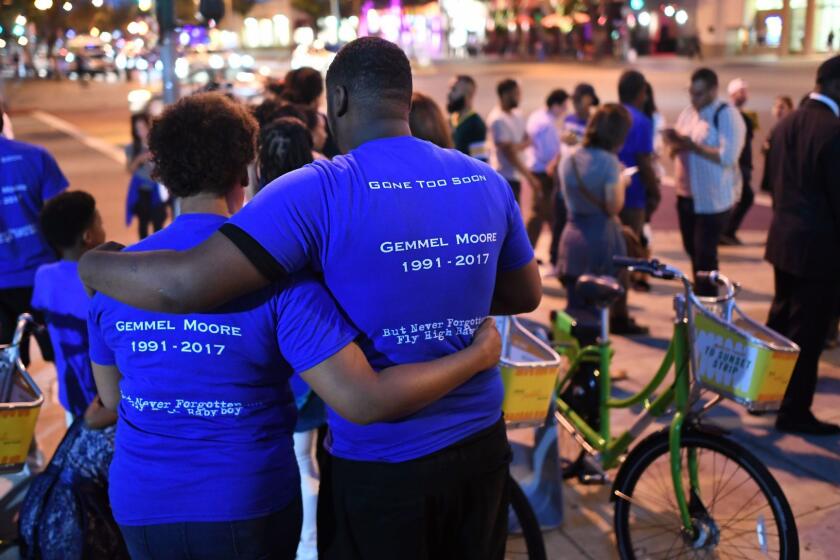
x=530 y=369
x=739 y=358
x=20 y=404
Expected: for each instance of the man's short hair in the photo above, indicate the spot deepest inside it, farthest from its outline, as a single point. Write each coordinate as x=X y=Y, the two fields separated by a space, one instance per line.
x=65 y=218
x=506 y=86
x=373 y=69
x=556 y=97
x=705 y=75
x=630 y=85
x=467 y=80
x=303 y=85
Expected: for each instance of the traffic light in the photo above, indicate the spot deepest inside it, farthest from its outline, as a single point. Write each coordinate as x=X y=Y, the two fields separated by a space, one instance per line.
x=637 y=4
x=212 y=9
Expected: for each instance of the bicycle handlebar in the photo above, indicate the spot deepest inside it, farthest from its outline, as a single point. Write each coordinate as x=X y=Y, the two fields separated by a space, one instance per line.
x=715 y=277
x=658 y=269
x=652 y=267
x=25 y=324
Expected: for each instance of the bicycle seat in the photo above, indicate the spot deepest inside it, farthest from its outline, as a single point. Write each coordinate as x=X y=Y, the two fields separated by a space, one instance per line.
x=599 y=291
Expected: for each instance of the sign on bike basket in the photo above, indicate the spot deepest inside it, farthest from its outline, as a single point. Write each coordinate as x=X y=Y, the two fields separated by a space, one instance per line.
x=740 y=358
x=529 y=370
x=20 y=404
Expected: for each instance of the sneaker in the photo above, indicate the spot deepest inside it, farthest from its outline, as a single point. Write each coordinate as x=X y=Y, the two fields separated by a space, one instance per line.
x=729 y=241
x=628 y=327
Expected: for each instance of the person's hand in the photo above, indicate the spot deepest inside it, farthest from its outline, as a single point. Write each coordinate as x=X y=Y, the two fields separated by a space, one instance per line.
x=570 y=139
x=488 y=342
x=536 y=185
x=98 y=417
x=108 y=246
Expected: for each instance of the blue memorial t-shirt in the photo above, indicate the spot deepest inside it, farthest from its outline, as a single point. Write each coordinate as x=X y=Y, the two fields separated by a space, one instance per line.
x=206 y=417
x=639 y=141
x=59 y=294
x=28 y=177
x=409 y=237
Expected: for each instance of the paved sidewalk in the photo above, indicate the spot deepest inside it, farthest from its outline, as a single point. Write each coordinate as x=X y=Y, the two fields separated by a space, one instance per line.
x=808 y=469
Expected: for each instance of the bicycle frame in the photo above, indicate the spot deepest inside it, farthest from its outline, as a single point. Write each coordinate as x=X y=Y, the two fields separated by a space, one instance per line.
x=600 y=442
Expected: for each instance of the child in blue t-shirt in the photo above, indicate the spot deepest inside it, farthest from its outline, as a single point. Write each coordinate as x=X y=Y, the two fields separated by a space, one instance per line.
x=71 y=225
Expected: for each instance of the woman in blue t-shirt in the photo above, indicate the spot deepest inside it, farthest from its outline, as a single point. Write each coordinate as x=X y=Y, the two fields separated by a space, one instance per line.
x=204 y=465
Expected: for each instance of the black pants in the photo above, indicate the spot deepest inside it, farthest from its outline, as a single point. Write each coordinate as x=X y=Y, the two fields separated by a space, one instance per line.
x=743 y=206
x=273 y=537
x=542 y=208
x=516 y=187
x=634 y=218
x=452 y=504
x=700 y=236
x=13 y=302
x=148 y=213
x=802 y=310
x=560 y=219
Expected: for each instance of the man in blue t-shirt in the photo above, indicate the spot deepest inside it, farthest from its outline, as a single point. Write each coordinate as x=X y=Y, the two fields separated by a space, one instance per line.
x=642 y=196
x=28 y=177
x=72 y=225
x=417 y=244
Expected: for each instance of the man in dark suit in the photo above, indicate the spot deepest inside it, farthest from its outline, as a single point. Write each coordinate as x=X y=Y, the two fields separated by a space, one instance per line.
x=803 y=244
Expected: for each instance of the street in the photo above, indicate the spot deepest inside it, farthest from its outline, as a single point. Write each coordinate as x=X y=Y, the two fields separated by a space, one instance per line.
x=86 y=129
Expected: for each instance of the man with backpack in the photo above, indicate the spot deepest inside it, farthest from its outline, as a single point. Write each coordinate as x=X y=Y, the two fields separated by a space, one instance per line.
x=706 y=143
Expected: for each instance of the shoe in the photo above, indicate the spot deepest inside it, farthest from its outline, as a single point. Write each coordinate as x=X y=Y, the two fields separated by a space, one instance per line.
x=628 y=327
x=806 y=425
x=729 y=241
x=641 y=286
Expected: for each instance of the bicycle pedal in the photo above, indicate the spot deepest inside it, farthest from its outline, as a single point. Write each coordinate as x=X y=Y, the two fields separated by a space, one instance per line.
x=593 y=479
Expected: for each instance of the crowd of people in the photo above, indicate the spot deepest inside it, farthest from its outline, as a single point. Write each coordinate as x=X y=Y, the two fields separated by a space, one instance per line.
x=300 y=364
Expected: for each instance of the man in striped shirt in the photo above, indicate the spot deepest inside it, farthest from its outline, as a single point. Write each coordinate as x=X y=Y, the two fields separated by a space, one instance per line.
x=706 y=141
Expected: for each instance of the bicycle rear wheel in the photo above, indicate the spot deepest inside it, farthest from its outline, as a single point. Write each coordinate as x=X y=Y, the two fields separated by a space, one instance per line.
x=738 y=511
x=528 y=523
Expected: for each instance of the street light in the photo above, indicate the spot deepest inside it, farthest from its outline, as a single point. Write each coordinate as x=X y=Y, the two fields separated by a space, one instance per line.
x=23 y=41
x=669 y=11
x=20 y=20
x=97 y=3
x=144 y=5
x=682 y=17
x=67 y=6
x=644 y=19
x=43 y=5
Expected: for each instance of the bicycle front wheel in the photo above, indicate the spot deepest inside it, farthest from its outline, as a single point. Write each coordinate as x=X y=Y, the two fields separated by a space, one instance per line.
x=738 y=509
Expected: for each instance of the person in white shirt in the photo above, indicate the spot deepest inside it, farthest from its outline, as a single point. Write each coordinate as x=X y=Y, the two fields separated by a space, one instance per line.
x=508 y=139
x=707 y=141
x=542 y=157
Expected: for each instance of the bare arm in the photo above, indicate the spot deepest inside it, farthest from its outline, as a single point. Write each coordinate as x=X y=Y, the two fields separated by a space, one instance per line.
x=517 y=291
x=349 y=385
x=647 y=173
x=511 y=152
x=107 y=384
x=199 y=279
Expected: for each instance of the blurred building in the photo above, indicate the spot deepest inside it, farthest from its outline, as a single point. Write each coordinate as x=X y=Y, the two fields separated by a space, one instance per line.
x=768 y=26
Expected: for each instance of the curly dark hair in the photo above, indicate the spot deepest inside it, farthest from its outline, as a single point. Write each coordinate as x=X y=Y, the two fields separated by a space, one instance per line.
x=65 y=218
x=285 y=145
x=202 y=143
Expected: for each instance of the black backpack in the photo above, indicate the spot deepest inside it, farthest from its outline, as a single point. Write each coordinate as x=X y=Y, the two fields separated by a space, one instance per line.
x=66 y=513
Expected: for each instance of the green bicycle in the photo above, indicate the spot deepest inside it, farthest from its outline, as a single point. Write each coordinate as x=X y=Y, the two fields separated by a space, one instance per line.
x=687 y=490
